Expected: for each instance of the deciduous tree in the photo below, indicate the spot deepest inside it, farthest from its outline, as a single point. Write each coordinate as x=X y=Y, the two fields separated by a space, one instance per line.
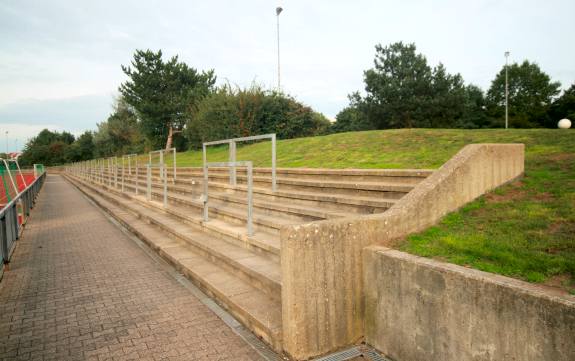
x=562 y=107
x=531 y=92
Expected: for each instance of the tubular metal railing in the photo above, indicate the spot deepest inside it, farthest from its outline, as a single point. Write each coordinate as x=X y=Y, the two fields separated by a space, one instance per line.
x=232 y=157
x=10 y=227
x=128 y=157
x=163 y=176
x=205 y=196
x=106 y=172
x=161 y=152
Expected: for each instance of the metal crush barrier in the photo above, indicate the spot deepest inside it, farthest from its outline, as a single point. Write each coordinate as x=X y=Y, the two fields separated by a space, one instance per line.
x=109 y=171
x=232 y=156
x=162 y=153
x=10 y=225
x=205 y=196
x=163 y=176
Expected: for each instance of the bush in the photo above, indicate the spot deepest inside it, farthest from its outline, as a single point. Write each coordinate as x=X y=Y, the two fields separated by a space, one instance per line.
x=234 y=112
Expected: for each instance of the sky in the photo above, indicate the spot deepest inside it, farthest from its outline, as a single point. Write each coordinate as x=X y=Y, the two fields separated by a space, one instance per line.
x=60 y=60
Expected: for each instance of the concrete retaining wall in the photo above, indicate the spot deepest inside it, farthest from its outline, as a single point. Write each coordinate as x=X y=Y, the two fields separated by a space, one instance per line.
x=322 y=287
x=421 y=309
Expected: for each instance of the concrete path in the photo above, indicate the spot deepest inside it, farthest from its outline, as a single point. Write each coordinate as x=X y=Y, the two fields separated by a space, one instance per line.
x=79 y=289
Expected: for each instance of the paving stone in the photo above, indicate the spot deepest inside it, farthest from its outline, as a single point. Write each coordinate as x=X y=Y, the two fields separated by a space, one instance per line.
x=79 y=289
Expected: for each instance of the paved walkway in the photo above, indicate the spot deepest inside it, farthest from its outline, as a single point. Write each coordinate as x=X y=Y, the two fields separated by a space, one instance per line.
x=79 y=289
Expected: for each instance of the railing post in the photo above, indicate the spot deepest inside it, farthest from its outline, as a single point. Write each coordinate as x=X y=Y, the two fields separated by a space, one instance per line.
x=137 y=177
x=250 y=200
x=274 y=186
x=148 y=182
x=109 y=172
x=165 y=172
x=116 y=172
x=205 y=196
x=4 y=239
x=161 y=161
x=123 y=174
x=174 y=151
x=14 y=212
x=232 y=159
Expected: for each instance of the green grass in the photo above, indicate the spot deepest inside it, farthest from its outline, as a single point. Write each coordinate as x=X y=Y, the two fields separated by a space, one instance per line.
x=524 y=230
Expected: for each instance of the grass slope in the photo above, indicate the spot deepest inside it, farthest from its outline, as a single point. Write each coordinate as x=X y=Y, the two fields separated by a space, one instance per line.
x=524 y=230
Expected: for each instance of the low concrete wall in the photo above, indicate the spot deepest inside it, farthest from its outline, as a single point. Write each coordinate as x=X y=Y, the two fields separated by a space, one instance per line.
x=322 y=307
x=421 y=309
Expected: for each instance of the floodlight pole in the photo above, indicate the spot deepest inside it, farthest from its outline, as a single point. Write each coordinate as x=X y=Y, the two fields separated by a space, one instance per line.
x=506 y=91
x=279 y=9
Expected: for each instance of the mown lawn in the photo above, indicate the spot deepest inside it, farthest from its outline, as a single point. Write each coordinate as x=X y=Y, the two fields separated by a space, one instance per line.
x=524 y=230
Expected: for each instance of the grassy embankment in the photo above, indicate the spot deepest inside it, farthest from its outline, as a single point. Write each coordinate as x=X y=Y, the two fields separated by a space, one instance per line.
x=524 y=230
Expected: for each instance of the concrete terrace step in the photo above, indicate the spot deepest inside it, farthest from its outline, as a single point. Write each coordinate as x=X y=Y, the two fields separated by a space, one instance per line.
x=412 y=176
x=368 y=204
x=303 y=213
x=229 y=213
x=260 y=271
x=254 y=308
x=391 y=189
x=336 y=202
x=261 y=242
x=189 y=210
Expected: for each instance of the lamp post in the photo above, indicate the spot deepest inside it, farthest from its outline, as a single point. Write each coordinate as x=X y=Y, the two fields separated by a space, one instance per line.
x=279 y=10
x=506 y=92
x=6 y=143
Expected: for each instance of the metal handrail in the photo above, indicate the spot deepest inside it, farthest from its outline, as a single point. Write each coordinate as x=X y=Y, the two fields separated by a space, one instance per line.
x=164 y=178
x=129 y=157
x=205 y=196
x=9 y=225
x=162 y=152
x=232 y=156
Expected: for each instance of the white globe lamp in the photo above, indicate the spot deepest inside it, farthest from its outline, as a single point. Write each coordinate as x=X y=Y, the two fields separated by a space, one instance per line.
x=564 y=124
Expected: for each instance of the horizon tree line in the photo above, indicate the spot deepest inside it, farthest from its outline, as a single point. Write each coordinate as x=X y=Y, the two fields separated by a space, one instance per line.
x=166 y=104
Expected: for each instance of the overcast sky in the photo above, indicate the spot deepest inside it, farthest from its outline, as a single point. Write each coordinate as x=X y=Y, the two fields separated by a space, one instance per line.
x=60 y=59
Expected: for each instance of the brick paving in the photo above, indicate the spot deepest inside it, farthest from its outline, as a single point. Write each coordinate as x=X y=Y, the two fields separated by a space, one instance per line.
x=79 y=289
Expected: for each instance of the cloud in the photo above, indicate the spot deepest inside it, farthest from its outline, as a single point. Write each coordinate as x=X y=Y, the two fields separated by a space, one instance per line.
x=63 y=52
x=23 y=119
x=19 y=134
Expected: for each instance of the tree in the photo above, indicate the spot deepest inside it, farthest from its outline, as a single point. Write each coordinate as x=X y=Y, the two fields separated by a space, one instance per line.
x=403 y=91
x=351 y=118
x=163 y=93
x=234 y=112
x=531 y=92
x=445 y=104
x=120 y=133
x=474 y=109
x=48 y=148
x=85 y=143
x=562 y=107
x=397 y=87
